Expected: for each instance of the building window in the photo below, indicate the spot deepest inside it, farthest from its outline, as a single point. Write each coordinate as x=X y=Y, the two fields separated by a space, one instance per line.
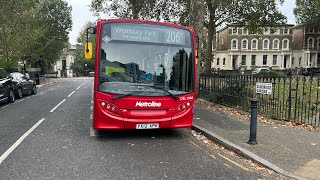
x=276 y=44
x=265 y=60
x=244 y=44
x=245 y=31
x=275 y=60
x=234 y=44
x=318 y=42
x=243 y=60
x=310 y=42
x=299 y=61
x=254 y=44
x=253 y=60
x=275 y=31
x=310 y=30
x=286 y=31
x=266 y=44
x=285 y=44
x=224 y=61
x=234 y=31
x=218 y=62
x=222 y=41
x=292 y=61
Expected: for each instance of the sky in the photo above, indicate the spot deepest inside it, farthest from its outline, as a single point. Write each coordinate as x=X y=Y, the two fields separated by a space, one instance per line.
x=81 y=14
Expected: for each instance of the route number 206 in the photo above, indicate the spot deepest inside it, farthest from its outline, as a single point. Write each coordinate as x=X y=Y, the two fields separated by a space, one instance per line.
x=174 y=37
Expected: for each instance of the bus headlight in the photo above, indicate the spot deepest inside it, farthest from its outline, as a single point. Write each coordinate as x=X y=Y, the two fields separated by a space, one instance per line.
x=183 y=107
x=109 y=108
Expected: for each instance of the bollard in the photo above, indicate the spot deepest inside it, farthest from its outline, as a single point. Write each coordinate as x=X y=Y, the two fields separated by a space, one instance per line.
x=253 y=122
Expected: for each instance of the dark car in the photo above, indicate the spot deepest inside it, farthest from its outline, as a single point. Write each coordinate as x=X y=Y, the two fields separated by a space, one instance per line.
x=6 y=87
x=23 y=84
x=311 y=71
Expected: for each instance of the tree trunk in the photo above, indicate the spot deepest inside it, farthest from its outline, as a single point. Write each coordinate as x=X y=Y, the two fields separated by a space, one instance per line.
x=211 y=37
x=196 y=21
x=135 y=11
x=208 y=58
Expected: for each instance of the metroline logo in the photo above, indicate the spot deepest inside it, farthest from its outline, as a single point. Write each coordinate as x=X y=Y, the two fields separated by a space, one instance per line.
x=148 y=104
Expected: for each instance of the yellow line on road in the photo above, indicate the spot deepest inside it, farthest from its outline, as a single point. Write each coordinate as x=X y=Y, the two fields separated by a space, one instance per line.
x=235 y=163
x=213 y=156
x=227 y=165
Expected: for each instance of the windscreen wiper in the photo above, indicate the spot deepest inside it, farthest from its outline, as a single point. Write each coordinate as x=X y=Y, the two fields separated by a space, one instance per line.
x=160 y=88
x=125 y=95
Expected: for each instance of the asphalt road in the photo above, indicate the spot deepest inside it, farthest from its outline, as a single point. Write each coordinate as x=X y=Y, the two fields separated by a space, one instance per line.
x=60 y=145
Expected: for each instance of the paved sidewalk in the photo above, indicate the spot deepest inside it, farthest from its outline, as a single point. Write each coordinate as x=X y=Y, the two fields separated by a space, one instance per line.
x=48 y=81
x=296 y=151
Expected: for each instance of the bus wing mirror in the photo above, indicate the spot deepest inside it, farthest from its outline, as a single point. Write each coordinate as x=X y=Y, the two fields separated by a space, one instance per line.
x=88 y=45
x=88 y=50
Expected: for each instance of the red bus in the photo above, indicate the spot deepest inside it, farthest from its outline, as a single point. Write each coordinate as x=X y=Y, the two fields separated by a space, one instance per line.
x=144 y=75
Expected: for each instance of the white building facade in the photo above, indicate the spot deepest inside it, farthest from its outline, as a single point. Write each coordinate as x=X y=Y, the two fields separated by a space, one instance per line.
x=279 y=48
x=63 y=65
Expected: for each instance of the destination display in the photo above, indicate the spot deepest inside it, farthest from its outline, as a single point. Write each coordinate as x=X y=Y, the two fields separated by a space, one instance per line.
x=149 y=33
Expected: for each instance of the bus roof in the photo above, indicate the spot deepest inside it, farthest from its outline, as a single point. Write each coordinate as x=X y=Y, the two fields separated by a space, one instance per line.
x=149 y=22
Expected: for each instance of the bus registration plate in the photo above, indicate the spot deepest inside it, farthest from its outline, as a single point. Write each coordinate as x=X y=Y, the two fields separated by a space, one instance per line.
x=147 y=126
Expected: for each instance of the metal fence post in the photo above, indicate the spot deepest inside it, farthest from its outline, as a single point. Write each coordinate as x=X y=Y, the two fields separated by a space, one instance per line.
x=253 y=122
x=290 y=99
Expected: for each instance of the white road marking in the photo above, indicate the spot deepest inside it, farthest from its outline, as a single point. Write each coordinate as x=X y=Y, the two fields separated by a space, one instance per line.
x=71 y=93
x=93 y=132
x=58 y=105
x=16 y=144
x=80 y=86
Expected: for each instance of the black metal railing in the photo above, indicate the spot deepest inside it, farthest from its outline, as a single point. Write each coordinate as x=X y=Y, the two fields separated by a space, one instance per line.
x=294 y=98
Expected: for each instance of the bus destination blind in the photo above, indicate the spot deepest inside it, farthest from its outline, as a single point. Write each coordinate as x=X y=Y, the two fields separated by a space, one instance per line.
x=166 y=35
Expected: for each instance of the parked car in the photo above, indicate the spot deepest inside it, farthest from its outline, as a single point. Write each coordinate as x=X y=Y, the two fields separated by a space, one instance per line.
x=23 y=85
x=91 y=74
x=6 y=87
x=311 y=71
x=259 y=70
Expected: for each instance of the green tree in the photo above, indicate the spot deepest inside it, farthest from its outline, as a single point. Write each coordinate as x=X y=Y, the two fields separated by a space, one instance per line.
x=307 y=12
x=55 y=22
x=78 y=66
x=135 y=9
x=254 y=14
x=33 y=30
x=16 y=30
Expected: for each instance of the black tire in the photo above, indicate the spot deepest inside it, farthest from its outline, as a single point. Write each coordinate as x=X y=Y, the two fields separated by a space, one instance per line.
x=11 y=96
x=34 y=90
x=19 y=93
